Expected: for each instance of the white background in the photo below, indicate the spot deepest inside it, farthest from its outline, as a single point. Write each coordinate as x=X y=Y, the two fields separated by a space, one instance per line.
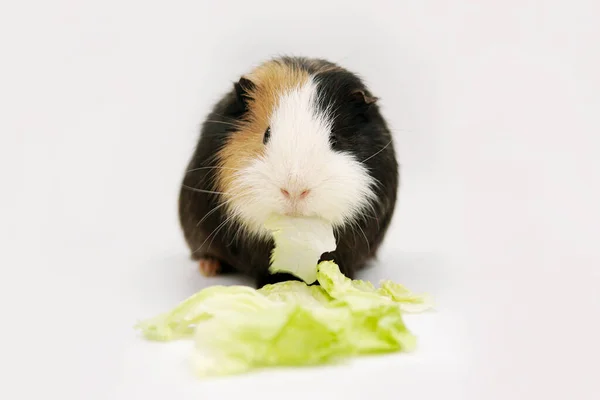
x=495 y=107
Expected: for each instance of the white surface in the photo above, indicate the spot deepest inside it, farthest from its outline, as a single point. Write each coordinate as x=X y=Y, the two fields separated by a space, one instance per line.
x=495 y=107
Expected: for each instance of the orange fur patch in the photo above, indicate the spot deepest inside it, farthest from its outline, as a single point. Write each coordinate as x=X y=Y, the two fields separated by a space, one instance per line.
x=271 y=80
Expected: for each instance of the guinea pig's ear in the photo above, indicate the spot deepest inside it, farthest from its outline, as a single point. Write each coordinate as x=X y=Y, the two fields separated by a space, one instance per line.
x=362 y=97
x=243 y=88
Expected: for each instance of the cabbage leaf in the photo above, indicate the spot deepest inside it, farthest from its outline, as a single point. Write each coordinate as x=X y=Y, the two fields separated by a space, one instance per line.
x=236 y=328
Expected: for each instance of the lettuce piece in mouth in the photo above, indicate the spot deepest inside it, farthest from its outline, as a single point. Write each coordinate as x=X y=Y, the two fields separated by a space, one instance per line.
x=299 y=244
x=236 y=329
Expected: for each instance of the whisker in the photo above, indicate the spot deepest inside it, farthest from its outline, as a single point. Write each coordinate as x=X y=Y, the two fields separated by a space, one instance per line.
x=212 y=121
x=219 y=228
x=375 y=216
x=380 y=150
x=200 y=190
x=208 y=214
x=394 y=130
x=235 y=235
x=346 y=128
x=224 y=116
x=213 y=233
x=353 y=231
x=212 y=167
x=224 y=203
x=365 y=236
x=354 y=236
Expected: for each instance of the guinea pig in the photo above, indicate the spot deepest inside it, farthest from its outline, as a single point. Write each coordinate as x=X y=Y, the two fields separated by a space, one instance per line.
x=295 y=136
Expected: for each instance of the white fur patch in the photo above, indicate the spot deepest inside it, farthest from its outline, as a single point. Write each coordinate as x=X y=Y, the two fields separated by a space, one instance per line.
x=298 y=157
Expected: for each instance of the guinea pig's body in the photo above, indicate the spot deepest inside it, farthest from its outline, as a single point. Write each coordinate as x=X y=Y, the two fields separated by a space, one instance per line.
x=298 y=137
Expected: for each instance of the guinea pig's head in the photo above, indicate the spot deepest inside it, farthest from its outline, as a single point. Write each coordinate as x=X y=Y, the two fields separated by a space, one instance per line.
x=300 y=150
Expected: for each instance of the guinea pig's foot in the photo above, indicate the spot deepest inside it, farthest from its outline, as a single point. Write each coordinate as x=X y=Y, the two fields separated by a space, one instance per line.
x=209 y=266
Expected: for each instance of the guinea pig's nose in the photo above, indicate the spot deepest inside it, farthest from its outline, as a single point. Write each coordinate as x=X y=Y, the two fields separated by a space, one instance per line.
x=295 y=194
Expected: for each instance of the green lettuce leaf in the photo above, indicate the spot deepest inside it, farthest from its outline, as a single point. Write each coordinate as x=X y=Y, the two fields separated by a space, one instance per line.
x=221 y=300
x=299 y=243
x=236 y=329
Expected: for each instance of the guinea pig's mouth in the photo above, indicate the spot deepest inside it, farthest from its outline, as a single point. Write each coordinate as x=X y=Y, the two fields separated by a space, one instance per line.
x=299 y=214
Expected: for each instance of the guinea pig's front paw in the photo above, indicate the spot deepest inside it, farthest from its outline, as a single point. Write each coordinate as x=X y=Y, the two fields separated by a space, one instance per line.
x=209 y=266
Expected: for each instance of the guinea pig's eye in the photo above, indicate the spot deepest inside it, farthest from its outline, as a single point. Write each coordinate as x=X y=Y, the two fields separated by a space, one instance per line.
x=267 y=135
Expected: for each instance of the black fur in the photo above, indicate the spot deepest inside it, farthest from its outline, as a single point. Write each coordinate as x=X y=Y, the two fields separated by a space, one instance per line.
x=359 y=129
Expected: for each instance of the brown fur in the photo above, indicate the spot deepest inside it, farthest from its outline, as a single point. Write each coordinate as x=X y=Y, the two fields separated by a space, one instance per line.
x=271 y=80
